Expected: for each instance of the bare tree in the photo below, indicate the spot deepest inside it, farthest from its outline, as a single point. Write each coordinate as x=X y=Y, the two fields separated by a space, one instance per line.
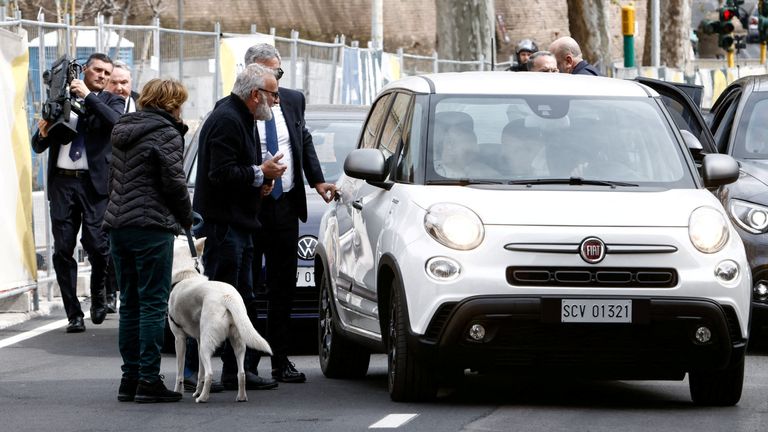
x=589 y=25
x=464 y=29
x=675 y=31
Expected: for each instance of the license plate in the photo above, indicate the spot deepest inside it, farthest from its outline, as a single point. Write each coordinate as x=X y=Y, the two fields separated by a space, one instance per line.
x=305 y=276
x=595 y=311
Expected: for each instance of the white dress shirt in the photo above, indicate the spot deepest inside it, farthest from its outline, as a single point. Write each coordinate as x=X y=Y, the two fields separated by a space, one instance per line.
x=283 y=145
x=64 y=161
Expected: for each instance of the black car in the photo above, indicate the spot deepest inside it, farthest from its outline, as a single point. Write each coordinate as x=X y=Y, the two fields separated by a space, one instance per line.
x=335 y=130
x=737 y=125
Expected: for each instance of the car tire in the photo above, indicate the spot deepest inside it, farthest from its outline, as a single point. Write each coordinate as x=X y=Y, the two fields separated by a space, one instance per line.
x=717 y=388
x=339 y=357
x=408 y=378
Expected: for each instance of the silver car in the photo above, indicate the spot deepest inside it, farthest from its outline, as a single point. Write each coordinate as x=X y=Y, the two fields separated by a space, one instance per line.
x=531 y=223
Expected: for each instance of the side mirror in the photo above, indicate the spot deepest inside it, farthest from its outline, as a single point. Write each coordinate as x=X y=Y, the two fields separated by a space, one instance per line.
x=366 y=164
x=693 y=144
x=719 y=169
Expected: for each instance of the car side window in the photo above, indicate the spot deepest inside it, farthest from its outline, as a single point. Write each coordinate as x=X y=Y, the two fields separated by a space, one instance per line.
x=409 y=156
x=725 y=125
x=374 y=122
x=392 y=134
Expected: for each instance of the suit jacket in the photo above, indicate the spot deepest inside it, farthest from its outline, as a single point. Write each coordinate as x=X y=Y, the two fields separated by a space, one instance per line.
x=224 y=191
x=102 y=111
x=584 y=68
x=293 y=104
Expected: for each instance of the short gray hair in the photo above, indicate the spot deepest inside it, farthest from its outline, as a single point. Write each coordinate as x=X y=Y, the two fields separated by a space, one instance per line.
x=119 y=64
x=538 y=54
x=260 y=52
x=250 y=79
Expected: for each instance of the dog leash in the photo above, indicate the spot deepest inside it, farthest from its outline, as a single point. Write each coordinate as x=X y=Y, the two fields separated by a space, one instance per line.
x=192 y=249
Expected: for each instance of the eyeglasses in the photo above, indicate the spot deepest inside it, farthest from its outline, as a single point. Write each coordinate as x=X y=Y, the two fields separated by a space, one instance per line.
x=279 y=73
x=275 y=95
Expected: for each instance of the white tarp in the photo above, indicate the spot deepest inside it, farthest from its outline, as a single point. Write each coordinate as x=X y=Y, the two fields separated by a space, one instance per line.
x=231 y=56
x=17 y=253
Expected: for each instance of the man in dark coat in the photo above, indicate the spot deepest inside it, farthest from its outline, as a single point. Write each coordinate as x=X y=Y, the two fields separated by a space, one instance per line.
x=230 y=177
x=78 y=172
x=282 y=209
x=568 y=55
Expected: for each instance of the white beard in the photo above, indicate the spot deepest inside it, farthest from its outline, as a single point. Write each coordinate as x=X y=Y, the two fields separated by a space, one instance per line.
x=263 y=111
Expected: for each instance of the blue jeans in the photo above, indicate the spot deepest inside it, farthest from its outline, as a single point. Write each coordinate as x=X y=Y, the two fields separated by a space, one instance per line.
x=143 y=261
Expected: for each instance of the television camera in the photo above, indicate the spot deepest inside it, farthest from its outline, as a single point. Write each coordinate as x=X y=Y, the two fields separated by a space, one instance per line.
x=61 y=109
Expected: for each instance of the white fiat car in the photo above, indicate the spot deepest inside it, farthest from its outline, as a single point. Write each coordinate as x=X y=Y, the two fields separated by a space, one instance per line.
x=531 y=223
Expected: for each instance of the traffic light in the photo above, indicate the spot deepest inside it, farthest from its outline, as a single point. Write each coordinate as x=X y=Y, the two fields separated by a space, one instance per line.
x=728 y=12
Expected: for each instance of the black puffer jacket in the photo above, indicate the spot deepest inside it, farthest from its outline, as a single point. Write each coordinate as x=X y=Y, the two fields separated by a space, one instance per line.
x=147 y=187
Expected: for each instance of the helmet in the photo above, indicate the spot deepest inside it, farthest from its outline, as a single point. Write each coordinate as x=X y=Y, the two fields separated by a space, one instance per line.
x=526 y=45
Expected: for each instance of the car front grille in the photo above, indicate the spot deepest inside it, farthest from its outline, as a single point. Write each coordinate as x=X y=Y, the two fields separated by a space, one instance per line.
x=304 y=305
x=592 y=277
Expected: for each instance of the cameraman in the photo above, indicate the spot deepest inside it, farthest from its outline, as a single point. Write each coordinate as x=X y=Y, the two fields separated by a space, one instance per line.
x=78 y=173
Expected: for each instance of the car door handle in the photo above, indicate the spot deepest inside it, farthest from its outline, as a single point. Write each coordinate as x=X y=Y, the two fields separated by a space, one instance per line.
x=358 y=204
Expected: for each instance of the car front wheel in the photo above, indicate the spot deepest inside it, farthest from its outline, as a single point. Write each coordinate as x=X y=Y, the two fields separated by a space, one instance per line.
x=409 y=379
x=718 y=388
x=339 y=357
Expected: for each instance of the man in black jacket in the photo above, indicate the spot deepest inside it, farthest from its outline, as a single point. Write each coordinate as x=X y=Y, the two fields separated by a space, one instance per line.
x=228 y=191
x=568 y=55
x=284 y=207
x=78 y=172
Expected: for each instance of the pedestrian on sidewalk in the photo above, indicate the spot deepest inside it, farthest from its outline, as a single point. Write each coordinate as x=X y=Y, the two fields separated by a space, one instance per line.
x=148 y=206
x=78 y=174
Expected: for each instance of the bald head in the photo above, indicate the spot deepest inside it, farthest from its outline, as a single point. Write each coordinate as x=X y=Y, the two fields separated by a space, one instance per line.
x=567 y=53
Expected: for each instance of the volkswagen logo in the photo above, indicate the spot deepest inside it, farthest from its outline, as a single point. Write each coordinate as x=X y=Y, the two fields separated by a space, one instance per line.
x=306 y=249
x=592 y=250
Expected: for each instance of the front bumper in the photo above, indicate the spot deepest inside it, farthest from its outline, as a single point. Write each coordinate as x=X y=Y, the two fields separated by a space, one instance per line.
x=525 y=334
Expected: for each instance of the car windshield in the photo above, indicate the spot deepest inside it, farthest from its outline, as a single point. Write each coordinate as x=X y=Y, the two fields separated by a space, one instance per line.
x=621 y=141
x=333 y=140
x=752 y=134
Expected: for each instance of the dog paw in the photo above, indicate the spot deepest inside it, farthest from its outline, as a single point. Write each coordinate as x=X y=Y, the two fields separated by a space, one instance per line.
x=244 y=399
x=196 y=394
x=201 y=400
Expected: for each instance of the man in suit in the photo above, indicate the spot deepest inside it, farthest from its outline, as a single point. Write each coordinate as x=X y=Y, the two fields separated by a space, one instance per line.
x=568 y=55
x=78 y=172
x=231 y=176
x=121 y=83
x=281 y=210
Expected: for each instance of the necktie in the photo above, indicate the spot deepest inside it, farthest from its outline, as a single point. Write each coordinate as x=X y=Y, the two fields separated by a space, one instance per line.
x=271 y=138
x=78 y=144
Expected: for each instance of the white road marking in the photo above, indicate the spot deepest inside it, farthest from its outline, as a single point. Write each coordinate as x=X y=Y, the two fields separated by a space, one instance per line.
x=393 y=421
x=36 y=332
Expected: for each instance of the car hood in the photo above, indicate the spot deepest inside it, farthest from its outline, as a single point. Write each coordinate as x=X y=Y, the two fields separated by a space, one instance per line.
x=753 y=182
x=667 y=208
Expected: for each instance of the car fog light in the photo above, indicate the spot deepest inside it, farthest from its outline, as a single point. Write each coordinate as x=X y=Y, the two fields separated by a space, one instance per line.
x=477 y=332
x=443 y=269
x=727 y=271
x=703 y=335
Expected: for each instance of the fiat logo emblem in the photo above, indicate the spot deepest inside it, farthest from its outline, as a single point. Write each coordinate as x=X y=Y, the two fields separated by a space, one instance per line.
x=592 y=250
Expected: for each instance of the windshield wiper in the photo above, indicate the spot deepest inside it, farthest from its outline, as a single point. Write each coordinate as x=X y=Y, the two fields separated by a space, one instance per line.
x=572 y=181
x=462 y=182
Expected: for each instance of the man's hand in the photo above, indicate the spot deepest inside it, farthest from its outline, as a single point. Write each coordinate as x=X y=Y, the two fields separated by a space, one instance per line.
x=273 y=168
x=326 y=190
x=78 y=88
x=42 y=127
x=266 y=188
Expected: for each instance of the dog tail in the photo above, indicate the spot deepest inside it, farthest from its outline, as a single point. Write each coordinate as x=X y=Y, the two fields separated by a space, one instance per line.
x=250 y=336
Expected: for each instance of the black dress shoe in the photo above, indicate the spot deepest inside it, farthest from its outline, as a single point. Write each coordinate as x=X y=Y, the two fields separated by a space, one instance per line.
x=127 y=390
x=76 y=325
x=98 y=314
x=252 y=382
x=147 y=392
x=190 y=385
x=287 y=373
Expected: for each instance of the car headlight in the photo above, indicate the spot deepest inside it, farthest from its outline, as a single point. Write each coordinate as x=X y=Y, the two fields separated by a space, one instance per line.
x=454 y=226
x=751 y=217
x=707 y=229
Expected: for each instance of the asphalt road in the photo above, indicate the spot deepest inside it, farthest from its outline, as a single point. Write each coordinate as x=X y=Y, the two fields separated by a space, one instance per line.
x=68 y=382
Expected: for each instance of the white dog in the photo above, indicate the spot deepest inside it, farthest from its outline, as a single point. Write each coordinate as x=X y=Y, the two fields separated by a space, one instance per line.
x=208 y=311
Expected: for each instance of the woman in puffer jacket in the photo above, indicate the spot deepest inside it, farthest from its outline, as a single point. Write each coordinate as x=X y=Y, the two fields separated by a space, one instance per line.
x=148 y=206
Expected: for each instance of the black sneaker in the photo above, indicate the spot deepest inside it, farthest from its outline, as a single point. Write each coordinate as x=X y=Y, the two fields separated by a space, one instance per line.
x=252 y=382
x=287 y=373
x=148 y=392
x=127 y=390
x=190 y=384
